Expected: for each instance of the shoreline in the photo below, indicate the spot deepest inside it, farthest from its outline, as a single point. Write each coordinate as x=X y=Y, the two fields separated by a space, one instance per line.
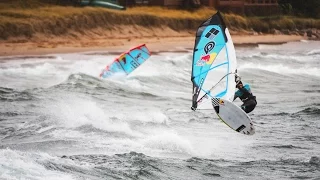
x=155 y=44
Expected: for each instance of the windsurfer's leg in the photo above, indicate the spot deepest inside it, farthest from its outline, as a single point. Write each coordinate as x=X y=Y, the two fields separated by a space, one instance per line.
x=249 y=105
x=243 y=107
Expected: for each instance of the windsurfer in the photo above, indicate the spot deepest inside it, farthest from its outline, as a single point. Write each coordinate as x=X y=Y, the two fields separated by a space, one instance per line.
x=245 y=95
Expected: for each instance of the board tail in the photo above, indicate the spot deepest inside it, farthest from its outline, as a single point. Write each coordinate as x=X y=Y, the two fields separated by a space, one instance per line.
x=233 y=116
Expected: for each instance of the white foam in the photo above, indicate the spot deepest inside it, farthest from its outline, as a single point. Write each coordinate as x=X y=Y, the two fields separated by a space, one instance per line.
x=48 y=72
x=147 y=116
x=314 y=52
x=45 y=129
x=162 y=66
x=24 y=165
x=277 y=58
x=269 y=47
x=135 y=84
x=32 y=75
x=290 y=47
x=304 y=41
x=283 y=69
x=74 y=112
x=169 y=142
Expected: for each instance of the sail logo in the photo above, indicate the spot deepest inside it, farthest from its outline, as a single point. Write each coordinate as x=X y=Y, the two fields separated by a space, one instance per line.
x=123 y=59
x=221 y=102
x=206 y=59
x=138 y=56
x=209 y=46
x=134 y=64
x=212 y=34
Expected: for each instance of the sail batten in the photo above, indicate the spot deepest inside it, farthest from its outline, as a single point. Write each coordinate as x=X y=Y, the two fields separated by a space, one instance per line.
x=211 y=68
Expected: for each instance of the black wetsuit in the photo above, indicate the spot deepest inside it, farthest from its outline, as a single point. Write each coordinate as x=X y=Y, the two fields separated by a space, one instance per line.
x=248 y=99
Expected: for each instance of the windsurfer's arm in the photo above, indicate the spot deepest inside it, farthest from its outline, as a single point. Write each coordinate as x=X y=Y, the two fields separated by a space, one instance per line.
x=235 y=97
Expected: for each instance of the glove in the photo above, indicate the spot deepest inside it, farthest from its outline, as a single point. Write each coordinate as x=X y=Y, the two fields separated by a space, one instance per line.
x=238 y=78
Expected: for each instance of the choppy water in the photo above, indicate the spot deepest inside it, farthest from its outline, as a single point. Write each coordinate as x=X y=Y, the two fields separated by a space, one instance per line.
x=58 y=120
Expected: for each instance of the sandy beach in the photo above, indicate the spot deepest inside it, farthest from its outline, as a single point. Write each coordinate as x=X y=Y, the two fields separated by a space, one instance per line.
x=155 y=44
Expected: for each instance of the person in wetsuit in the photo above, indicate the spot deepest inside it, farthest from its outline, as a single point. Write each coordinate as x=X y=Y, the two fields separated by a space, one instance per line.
x=246 y=96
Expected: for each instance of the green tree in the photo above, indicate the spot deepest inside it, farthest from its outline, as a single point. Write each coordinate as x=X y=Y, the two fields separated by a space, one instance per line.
x=286 y=8
x=305 y=8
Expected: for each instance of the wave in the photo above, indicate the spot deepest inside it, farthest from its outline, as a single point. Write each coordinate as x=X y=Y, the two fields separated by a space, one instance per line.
x=309 y=111
x=165 y=68
x=9 y=114
x=288 y=58
x=137 y=87
x=277 y=114
x=270 y=46
x=29 y=75
x=79 y=80
x=313 y=52
x=310 y=138
x=280 y=163
x=169 y=142
x=307 y=169
x=9 y=94
x=288 y=147
x=176 y=51
x=284 y=56
x=311 y=91
x=304 y=41
x=132 y=87
x=30 y=68
x=24 y=165
x=73 y=112
x=171 y=80
x=137 y=166
x=283 y=69
x=315 y=160
x=276 y=58
x=248 y=55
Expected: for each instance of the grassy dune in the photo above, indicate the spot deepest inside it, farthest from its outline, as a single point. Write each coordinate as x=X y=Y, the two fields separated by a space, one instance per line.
x=19 y=18
x=57 y=20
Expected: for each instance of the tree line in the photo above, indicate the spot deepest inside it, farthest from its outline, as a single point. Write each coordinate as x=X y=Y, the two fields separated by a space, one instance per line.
x=302 y=8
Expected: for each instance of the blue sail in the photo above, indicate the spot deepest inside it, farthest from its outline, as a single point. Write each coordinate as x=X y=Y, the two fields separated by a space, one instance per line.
x=214 y=62
x=127 y=62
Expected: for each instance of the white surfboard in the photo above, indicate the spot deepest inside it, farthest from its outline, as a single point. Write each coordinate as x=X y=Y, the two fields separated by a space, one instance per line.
x=233 y=116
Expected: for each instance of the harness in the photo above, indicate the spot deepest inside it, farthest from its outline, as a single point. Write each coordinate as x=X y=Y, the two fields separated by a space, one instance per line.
x=246 y=95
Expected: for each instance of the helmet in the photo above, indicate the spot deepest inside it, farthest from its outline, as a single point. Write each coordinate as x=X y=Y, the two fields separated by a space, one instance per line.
x=237 y=83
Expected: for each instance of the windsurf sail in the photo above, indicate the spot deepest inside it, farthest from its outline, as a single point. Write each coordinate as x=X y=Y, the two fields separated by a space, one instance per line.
x=214 y=62
x=127 y=62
